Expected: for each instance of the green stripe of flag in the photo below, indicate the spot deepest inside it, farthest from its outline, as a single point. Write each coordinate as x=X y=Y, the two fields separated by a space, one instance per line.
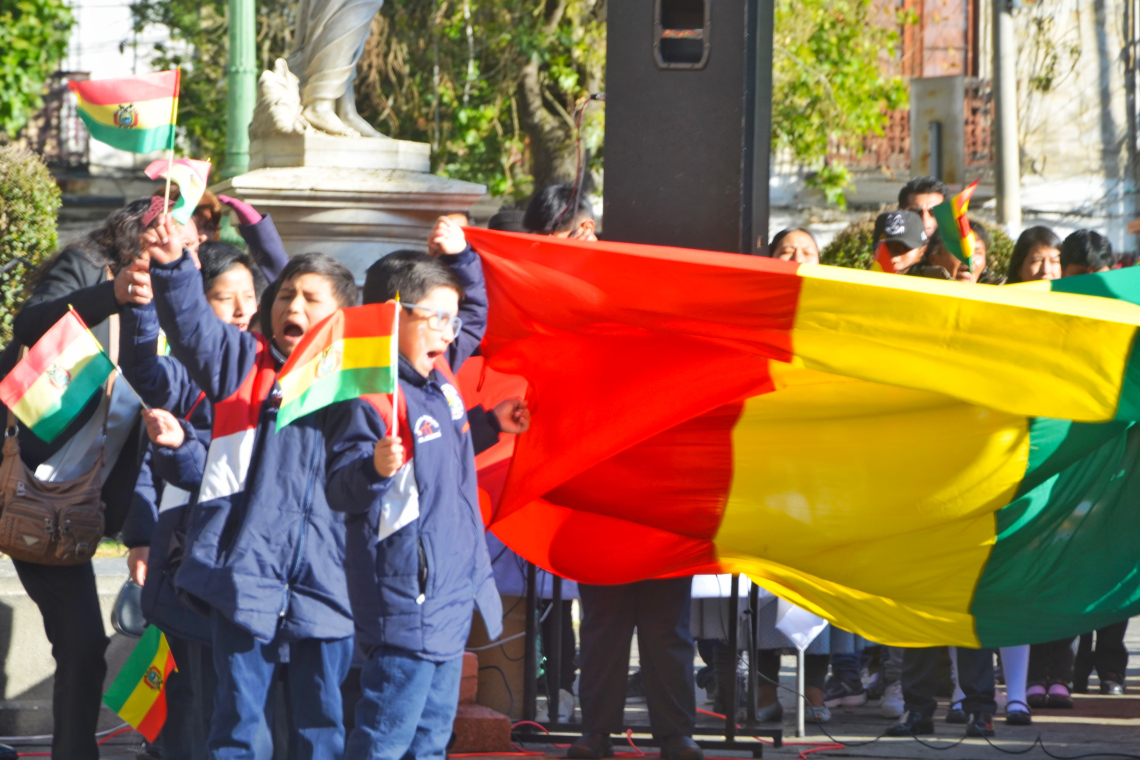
x=72 y=401
x=339 y=386
x=948 y=229
x=133 y=669
x=1122 y=285
x=132 y=140
x=1070 y=539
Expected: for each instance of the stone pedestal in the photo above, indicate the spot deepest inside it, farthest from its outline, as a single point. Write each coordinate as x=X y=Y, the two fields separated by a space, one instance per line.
x=354 y=198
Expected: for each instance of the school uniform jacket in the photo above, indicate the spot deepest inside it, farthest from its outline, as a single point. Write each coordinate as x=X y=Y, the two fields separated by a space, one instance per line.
x=264 y=549
x=416 y=588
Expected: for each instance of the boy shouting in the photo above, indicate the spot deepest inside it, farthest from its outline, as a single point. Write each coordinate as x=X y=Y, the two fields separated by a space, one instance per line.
x=416 y=558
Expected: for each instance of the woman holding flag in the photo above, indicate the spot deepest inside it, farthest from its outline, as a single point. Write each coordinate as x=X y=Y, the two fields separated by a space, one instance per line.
x=93 y=279
x=95 y=276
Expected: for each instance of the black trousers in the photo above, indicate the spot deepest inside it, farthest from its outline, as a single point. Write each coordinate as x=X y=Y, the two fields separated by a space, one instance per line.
x=659 y=610
x=69 y=603
x=1051 y=662
x=1110 y=658
x=815 y=668
x=568 y=669
x=975 y=676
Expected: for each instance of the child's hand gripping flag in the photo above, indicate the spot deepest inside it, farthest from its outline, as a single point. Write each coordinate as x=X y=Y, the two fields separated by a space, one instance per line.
x=138 y=694
x=50 y=386
x=351 y=353
x=135 y=114
x=954 y=225
x=191 y=177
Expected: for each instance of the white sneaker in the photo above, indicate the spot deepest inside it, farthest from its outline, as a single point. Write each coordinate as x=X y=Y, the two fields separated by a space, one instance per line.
x=565 y=706
x=893 y=700
x=817 y=714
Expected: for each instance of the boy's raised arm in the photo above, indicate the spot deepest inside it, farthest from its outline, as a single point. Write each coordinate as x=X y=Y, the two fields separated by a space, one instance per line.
x=161 y=381
x=472 y=309
x=351 y=430
x=217 y=356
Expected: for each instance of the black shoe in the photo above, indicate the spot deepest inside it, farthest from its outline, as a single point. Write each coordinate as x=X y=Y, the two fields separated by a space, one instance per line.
x=912 y=723
x=981 y=724
x=680 y=748
x=8 y=753
x=591 y=747
x=1111 y=687
x=956 y=716
x=1018 y=717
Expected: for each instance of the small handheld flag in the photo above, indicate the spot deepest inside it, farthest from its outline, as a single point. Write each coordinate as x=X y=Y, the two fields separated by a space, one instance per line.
x=882 y=262
x=349 y=354
x=191 y=177
x=50 y=386
x=135 y=114
x=138 y=694
x=954 y=225
x=395 y=362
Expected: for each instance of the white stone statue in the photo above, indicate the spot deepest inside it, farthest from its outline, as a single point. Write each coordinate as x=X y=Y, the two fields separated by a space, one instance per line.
x=329 y=41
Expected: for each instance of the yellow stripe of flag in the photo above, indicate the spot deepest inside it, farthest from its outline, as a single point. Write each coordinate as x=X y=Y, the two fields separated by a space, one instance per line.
x=355 y=353
x=149 y=113
x=1067 y=357
x=135 y=709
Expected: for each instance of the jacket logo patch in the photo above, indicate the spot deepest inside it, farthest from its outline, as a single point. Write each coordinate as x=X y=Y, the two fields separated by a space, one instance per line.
x=454 y=401
x=427 y=429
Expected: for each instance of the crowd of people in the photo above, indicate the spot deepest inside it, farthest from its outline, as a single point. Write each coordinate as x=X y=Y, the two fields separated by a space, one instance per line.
x=300 y=553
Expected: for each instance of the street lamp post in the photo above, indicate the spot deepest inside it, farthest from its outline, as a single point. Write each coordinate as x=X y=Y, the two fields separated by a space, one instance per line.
x=241 y=79
x=1007 y=150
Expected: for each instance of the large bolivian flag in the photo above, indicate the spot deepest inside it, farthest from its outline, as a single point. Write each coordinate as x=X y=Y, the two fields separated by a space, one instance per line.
x=919 y=461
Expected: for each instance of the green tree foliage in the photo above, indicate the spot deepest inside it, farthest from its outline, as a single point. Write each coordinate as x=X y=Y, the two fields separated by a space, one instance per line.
x=830 y=88
x=494 y=85
x=29 y=201
x=33 y=40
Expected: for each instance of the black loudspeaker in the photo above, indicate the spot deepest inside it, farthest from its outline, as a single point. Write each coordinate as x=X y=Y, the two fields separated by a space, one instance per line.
x=688 y=123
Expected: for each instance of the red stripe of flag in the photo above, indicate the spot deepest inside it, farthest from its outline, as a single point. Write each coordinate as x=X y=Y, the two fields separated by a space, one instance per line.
x=41 y=356
x=105 y=92
x=152 y=724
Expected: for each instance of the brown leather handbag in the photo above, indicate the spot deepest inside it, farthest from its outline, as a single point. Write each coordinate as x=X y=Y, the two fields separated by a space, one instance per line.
x=53 y=523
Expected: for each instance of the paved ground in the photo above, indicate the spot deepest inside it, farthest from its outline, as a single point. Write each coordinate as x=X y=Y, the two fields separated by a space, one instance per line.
x=1099 y=727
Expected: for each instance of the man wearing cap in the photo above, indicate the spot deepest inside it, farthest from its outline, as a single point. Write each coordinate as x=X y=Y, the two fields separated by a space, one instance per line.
x=904 y=237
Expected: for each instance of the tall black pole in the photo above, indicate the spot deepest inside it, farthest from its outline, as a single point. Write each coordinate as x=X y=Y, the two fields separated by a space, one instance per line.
x=530 y=667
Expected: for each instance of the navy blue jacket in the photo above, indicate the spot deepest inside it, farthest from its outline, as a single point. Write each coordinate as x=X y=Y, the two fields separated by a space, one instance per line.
x=416 y=589
x=269 y=558
x=163 y=383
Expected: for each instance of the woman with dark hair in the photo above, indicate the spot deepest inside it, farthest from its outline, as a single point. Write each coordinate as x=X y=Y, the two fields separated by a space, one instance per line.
x=97 y=275
x=796 y=245
x=1036 y=256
